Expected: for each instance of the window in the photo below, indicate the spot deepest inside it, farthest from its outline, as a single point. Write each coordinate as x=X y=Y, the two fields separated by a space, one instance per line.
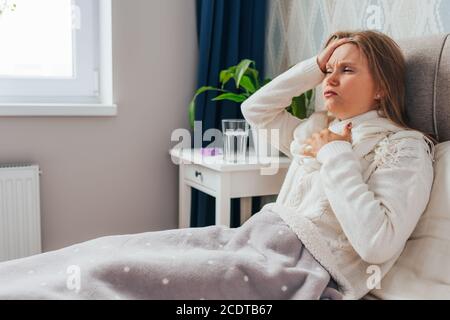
x=55 y=57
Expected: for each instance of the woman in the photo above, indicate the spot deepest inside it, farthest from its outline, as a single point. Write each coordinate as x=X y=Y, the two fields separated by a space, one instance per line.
x=350 y=200
x=357 y=185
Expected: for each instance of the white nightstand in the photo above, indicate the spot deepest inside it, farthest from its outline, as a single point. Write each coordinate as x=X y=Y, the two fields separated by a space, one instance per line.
x=224 y=181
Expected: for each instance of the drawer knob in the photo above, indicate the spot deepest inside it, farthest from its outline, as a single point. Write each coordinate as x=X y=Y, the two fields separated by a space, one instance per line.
x=198 y=174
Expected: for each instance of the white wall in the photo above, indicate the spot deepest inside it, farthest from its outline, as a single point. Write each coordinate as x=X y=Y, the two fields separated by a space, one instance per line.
x=105 y=176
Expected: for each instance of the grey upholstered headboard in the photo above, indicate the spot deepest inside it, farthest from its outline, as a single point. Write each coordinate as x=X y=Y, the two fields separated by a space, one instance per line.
x=428 y=84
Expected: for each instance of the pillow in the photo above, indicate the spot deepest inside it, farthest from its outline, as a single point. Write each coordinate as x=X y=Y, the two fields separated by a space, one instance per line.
x=423 y=269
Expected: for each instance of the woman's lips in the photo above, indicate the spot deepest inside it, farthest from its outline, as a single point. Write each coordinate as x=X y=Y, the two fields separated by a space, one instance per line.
x=329 y=94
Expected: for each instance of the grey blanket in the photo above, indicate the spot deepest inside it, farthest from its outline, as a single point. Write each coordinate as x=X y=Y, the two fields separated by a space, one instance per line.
x=262 y=259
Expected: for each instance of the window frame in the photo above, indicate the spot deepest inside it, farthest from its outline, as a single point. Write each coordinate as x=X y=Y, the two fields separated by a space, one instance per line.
x=103 y=106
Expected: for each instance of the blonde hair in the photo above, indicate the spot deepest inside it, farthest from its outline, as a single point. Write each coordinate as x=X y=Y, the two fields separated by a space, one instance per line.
x=387 y=65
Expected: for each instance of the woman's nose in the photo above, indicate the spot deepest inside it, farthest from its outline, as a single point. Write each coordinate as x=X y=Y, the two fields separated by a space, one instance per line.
x=332 y=79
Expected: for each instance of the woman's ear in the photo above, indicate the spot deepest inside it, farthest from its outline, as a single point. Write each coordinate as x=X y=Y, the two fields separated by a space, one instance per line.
x=379 y=95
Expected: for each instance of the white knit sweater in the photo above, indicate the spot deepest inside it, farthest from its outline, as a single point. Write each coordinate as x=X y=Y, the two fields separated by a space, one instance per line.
x=356 y=204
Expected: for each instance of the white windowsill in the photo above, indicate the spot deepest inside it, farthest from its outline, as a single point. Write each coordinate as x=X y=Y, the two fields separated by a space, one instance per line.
x=56 y=109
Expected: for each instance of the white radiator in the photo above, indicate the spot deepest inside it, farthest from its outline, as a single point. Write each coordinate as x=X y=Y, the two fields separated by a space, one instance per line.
x=20 y=222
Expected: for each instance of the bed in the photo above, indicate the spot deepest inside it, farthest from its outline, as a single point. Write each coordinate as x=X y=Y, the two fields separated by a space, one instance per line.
x=422 y=271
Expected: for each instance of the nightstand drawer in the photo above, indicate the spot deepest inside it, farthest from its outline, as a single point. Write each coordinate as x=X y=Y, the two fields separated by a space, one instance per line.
x=202 y=176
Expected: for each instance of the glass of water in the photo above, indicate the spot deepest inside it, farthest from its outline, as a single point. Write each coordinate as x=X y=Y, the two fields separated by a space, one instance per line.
x=235 y=137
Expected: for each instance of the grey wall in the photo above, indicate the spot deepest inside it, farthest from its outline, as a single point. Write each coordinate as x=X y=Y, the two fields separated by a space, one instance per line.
x=105 y=176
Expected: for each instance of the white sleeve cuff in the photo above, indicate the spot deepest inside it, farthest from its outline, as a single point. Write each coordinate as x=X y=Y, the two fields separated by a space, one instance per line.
x=333 y=149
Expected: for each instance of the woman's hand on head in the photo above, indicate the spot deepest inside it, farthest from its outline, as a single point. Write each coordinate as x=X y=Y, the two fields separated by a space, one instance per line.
x=325 y=55
x=318 y=140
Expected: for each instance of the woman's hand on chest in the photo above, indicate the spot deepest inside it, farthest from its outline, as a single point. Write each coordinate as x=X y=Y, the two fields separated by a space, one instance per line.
x=319 y=139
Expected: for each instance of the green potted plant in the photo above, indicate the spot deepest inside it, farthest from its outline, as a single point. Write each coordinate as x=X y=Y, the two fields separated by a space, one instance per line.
x=247 y=82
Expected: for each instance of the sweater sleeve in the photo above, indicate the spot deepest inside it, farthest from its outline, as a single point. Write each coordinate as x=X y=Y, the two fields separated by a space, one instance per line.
x=378 y=216
x=266 y=108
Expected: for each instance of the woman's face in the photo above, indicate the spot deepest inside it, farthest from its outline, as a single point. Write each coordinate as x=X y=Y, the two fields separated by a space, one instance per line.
x=348 y=75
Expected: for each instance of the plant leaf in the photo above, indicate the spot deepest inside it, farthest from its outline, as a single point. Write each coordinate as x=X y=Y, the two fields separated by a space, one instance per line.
x=231 y=96
x=266 y=81
x=191 y=109
x=206 y=88
x=247 y=84
x=225 y=76
x=241 y=69
x=191 y=113
x=255 y=75
x=232 y=69
x=299 y=106
x=293 y=109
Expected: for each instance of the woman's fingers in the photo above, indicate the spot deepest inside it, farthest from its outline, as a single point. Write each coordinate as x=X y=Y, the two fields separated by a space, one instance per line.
x=334 y=45
x=328 y=52
x=341 y=41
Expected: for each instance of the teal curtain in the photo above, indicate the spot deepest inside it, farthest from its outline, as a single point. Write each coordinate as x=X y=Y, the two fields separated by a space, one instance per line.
x=228 y=31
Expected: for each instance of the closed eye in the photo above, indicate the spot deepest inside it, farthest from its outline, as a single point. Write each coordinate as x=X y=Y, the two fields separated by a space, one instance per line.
x=345 y=70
